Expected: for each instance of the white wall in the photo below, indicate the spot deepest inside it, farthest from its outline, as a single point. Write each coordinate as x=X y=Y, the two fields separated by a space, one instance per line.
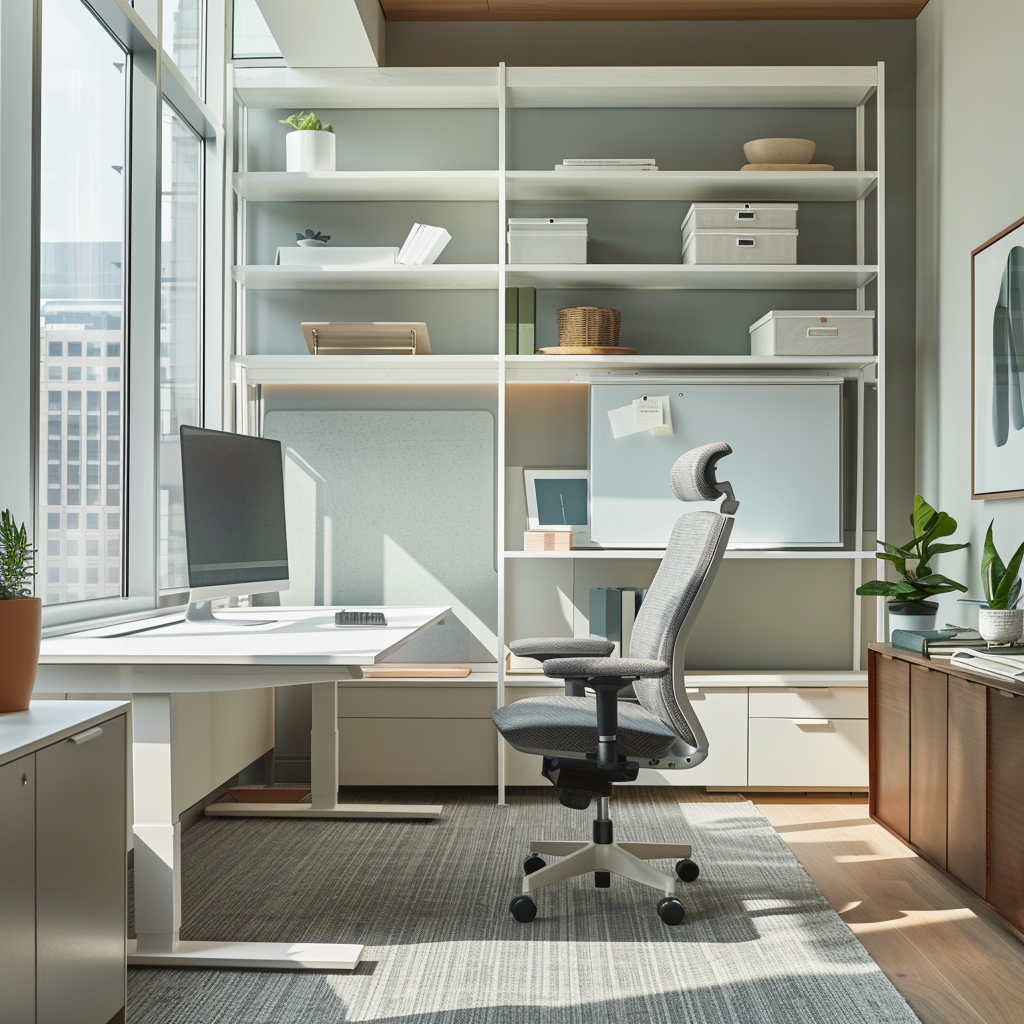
x=970 y=187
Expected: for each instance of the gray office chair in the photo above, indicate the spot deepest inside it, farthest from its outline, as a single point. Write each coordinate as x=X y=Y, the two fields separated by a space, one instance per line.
x=590 y=744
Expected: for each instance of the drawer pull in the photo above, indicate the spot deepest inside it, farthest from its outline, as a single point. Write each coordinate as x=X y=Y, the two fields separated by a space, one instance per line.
x=811 y=721
x=89 y=734
x=693 y=689
x=813 y=692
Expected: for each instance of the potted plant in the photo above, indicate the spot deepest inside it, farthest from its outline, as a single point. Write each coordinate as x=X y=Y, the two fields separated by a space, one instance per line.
x=1002 y=622
x=909 y=607
x=311 y=239
x=20 y=617
x=311 y=147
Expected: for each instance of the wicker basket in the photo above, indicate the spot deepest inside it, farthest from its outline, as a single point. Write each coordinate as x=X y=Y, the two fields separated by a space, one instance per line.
x=588 y=325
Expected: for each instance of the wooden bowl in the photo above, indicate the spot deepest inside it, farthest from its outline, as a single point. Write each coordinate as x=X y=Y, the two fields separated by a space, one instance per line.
x=779 y=151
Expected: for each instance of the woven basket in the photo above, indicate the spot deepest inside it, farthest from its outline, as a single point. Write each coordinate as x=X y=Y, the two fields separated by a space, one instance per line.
x=588 y=325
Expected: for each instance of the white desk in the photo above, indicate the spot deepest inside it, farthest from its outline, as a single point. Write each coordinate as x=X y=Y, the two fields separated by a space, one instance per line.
x=155 y=658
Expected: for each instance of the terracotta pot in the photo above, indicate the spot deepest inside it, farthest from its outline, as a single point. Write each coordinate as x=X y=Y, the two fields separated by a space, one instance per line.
x=20 y=629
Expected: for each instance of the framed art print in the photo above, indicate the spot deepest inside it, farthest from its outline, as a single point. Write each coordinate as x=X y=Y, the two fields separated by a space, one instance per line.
x=997 y=366
x=559 y=499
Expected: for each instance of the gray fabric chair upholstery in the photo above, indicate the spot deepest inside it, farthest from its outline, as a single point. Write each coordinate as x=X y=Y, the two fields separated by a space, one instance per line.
x=592 y=668
x=543 y=648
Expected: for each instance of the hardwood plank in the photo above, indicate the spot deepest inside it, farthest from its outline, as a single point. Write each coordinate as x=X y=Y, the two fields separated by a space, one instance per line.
x=646 y=10
x=1006 y=807
x=966 y=836
x=928 y=762
x=890 y=714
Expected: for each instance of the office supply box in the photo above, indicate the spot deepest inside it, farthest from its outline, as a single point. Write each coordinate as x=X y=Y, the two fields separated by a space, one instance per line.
x=809 y=332
x=724 y=233
x=785 y=468
x=547 y=240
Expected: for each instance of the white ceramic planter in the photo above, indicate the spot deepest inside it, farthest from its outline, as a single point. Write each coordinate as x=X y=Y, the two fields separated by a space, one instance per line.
x=1001 y=626
x=910 y=622
x=310 y=151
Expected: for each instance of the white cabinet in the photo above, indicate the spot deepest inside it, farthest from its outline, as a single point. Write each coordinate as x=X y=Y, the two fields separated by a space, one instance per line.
x=809 y=702
x=17 y=891
x=809 y=753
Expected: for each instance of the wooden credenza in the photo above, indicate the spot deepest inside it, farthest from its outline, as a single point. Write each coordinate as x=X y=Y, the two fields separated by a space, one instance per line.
x=946 y=751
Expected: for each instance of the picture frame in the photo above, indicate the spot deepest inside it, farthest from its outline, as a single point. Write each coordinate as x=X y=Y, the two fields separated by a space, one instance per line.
x=997 y=366
x=556 y=499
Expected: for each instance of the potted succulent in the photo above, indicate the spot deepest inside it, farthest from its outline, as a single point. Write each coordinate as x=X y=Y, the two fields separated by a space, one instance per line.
x=1001 y=622
x=311 y=147
x=909 y=607
x=311 y=239
x=20 y=617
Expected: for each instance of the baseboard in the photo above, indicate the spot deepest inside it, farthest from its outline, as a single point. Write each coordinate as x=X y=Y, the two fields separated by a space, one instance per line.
x=791 y=790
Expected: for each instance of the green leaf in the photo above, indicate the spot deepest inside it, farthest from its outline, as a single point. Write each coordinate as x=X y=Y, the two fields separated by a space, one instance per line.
x=992 y=568
x=1014 y=596
x=1010 y=577
x=938 y=580
x=941 y=549
x=876 y=588
x=923 y=516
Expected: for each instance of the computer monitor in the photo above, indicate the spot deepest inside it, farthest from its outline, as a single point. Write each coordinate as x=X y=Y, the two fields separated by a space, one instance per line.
x=235 y=539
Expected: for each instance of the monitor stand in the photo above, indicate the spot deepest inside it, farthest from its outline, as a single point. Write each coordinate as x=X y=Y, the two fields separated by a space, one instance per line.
x=201 y=613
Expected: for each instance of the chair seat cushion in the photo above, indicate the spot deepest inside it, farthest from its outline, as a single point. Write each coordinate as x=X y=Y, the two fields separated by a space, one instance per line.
x=561 y=647
x=568 y=725
x=592 y=668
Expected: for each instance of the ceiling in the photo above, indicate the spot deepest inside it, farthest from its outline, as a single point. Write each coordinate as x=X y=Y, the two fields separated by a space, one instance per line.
x=646 y=10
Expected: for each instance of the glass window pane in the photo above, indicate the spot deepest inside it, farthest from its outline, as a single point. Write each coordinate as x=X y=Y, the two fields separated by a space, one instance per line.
x=181 y=333
x=82 y=245
x=252 y=37
x=183 y=38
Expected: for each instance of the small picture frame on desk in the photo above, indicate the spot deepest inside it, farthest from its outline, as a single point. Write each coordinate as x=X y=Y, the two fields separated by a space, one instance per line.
x=559 y=500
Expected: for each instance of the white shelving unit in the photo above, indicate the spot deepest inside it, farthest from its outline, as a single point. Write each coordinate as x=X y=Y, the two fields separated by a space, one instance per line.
x=509 y=92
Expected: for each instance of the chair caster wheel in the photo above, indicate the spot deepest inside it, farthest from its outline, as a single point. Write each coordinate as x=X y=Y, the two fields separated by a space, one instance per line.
x=524 y=909
x=687 y=870
x=533 y=863
x=670 y=910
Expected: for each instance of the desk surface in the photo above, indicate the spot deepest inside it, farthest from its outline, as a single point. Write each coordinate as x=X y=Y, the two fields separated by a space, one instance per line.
x=297 y=636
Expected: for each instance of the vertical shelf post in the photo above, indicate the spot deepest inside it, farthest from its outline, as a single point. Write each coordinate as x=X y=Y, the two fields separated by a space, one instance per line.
x=880 y=371
x=499 y=533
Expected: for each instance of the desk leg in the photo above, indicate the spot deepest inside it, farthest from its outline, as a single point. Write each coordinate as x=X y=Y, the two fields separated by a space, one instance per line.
x=324 y=778
x=158 y=869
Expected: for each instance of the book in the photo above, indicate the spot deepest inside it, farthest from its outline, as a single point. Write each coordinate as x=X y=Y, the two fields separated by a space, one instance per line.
x=547 y=540
x=1002 y=665
x=527 y=322
x=605 y=167
x=423 y=245
x=609 y=161
x=930 y=642
x=511 y=321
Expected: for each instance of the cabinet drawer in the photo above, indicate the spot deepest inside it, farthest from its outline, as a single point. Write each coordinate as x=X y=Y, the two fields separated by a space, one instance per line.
x=810 y=702
x=415 y=701
x=415 y=752
x=785 y=752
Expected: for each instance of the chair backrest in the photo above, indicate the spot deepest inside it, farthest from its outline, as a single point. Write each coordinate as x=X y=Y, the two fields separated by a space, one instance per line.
x=663 y=624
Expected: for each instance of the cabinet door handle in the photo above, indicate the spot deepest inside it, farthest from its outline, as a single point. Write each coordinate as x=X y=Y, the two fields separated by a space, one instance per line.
x=89 y=734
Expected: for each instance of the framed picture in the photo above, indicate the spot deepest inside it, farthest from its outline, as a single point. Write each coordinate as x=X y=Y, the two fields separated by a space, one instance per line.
x=997 y=366
x=559 y=499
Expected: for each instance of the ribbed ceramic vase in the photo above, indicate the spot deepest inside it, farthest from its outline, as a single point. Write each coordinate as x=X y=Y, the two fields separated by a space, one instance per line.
x=20 y=626
x=1001 y=626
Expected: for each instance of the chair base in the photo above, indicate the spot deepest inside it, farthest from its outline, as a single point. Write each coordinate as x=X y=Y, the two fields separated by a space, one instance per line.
x=625 y=859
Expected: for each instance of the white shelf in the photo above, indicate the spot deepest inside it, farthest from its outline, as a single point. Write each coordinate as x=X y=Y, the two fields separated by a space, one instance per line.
x=336 y=88
x=724 y=186
x=659 y=553
x=310 y=370
x=690 y=86
x=464 y=276
x=555 y=369
x=806 y=277
x=366 y=186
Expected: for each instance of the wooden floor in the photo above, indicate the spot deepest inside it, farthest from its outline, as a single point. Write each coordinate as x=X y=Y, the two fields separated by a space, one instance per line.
x=939 y=946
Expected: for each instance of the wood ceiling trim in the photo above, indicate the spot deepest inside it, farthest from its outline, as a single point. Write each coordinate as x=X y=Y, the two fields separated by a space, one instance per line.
x=649 y=10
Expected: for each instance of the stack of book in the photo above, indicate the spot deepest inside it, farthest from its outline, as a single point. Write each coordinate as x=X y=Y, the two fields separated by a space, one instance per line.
x=938 y=643
x=520 y=321
x=423 y=245
x=607 y=164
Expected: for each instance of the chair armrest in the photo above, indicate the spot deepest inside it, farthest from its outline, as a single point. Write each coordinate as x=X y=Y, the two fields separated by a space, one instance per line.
x=596 y=669
x=544 y=648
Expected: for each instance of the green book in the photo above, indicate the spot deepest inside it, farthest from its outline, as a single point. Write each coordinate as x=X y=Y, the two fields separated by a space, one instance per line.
x=527 y=321
x=511 y=321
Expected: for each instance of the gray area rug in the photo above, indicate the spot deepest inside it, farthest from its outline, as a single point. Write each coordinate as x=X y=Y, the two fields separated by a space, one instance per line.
x=759 y=945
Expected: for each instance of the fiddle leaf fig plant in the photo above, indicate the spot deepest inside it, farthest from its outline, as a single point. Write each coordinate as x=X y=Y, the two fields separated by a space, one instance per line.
x=17 y=558
x=1001 y=582
x=303 y=122
x=912 y=560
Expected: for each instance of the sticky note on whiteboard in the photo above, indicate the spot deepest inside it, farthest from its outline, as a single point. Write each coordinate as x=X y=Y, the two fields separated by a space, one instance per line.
x=649 y=414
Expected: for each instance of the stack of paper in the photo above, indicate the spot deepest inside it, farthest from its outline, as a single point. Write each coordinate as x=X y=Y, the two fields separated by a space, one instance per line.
x=424 y=244
x=608 y=164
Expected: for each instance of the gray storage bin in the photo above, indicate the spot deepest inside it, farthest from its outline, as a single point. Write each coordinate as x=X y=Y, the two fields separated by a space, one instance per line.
x=547 y=240
x=811 y=332
x=740 y=216
x=725 y=247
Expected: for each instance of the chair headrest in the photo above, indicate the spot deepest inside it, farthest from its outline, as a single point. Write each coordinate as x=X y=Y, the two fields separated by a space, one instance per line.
x=693 y=475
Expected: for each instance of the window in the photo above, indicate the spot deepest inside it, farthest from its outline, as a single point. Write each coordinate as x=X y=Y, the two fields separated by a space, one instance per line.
x=183 y=38
x=252 y=37
x=83 y=197
x=181 y=333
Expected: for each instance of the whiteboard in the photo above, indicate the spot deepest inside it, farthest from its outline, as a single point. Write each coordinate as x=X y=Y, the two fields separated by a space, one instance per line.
x=785 y=467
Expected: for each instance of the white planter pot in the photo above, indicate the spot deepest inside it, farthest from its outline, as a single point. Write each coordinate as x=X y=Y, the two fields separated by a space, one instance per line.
x=897 y=621
x=310 y=151
x=1001 y=626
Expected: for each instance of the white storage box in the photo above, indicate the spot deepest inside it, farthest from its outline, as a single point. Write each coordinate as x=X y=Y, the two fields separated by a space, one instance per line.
x=740 y=216
x=547 y=240
x=336 y=256
x=811 y=332
x=724 y=247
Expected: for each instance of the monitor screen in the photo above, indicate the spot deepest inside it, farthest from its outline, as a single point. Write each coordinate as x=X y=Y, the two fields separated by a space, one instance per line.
x=233 y=488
